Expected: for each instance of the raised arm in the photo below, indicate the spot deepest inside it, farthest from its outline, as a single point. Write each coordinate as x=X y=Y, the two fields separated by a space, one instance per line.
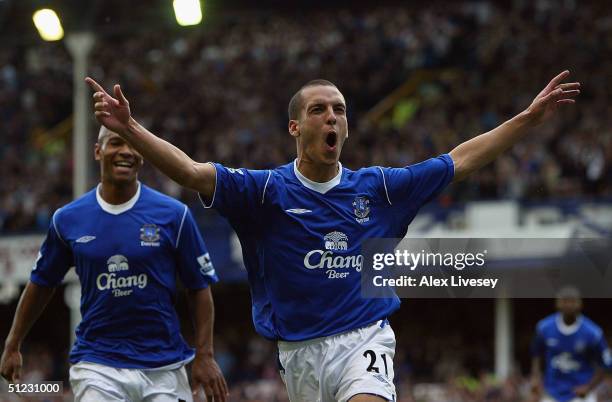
x=479 y=151
x=114 y=113
x=31 y=304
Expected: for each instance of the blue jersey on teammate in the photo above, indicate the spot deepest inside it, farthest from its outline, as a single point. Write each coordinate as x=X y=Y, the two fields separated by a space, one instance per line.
x=571 y=354
x=127 y=258
x=302 y=240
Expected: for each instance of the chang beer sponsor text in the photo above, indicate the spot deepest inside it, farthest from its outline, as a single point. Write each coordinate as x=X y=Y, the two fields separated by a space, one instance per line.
x=120 y=285
x=331 y=262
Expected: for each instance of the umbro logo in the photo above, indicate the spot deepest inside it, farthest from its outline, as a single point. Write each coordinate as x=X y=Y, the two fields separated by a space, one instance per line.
x=381 y=378
x=552 y=342
x=85 y=239
x=298 y=211
x=232 y=170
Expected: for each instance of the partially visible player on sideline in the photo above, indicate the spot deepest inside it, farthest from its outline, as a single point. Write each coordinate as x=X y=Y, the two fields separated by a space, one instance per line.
x=301 y=227
x=574 y=351
x=128 y=244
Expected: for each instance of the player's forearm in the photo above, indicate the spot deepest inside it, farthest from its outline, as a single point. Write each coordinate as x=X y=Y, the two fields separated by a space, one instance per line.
x=597 y=378
x=203 y=311
x=481 y=150
x=31 y=304
x=536 y=370
x=168 y=158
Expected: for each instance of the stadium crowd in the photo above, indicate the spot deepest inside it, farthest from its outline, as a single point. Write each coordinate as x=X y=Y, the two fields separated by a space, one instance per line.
x=220 y=93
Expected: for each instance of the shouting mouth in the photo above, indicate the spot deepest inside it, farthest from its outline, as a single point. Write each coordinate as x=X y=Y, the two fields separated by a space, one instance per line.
x=331 y=139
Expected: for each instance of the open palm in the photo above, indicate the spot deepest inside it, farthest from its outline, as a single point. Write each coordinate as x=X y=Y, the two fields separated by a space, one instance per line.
x=556 y=94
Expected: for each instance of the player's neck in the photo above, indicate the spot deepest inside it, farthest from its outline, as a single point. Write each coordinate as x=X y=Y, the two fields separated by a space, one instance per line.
x=117 y=194
x=569 y=319
x=317 y=172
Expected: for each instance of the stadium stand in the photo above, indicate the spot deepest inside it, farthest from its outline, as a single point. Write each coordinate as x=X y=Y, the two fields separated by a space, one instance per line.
x=220 y=93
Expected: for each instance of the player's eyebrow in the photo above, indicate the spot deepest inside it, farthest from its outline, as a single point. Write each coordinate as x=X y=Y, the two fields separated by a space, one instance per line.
x=323 y=102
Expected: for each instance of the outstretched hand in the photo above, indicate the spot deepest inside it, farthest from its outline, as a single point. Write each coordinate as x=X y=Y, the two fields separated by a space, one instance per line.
x=113 y=113
x=556 y=94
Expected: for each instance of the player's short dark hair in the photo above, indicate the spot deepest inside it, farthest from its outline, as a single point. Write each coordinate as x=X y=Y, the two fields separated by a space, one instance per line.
x=568 y=292
x=297 y=102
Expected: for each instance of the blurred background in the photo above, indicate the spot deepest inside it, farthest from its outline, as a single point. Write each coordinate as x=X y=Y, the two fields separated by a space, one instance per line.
x=419 y=78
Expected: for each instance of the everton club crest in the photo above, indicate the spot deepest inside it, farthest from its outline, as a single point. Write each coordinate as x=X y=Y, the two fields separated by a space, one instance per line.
x=361 y=208
x=149 y=235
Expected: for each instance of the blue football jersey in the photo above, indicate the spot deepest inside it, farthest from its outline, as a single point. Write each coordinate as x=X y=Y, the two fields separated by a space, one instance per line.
x=570 y=354
x=127 y=258
x=301 y=240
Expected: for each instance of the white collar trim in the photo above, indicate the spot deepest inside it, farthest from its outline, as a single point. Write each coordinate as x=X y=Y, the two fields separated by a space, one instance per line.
x=316 y=186
x=568 y=329
x=117 y=209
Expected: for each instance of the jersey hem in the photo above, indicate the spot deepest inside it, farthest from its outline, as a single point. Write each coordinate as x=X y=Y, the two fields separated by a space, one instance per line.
x=284 y=345
x=212 y=200
x=38 y=282
x=452 y=164
x=118 y=365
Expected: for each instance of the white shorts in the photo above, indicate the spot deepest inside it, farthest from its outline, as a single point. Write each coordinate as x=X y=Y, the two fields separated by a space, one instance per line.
x=93 y=382
x=338 y=367
x=591 y=397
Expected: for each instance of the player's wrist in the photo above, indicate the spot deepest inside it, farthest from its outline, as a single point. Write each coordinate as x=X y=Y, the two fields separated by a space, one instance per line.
x=131 y=128
x=528 y=118
x=525 y=119
x=205 y=354
x=12 y=345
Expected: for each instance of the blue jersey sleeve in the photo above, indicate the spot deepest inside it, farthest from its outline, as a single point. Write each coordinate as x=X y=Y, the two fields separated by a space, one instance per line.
x=410 y=187
x=54 y=258
x=604 y=355
x=194 y=265
x=238 y=193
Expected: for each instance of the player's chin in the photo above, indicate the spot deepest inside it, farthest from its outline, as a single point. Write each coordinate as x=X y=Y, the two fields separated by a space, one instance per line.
x=125 y=178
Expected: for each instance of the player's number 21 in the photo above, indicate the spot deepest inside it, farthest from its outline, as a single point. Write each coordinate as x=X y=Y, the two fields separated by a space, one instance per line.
x=372 y=355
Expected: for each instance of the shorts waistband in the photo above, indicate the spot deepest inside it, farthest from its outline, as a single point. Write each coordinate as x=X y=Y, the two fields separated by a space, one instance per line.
x=285 y=346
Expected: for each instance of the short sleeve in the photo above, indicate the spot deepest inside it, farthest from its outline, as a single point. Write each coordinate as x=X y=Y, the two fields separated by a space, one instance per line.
x=604 y=355
x=54 y=258
x=417 y=184
x=195 y=267
x=239 y=193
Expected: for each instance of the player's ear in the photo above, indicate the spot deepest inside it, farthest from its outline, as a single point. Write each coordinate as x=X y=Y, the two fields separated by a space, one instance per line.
x=294 y=128
x=97 y=151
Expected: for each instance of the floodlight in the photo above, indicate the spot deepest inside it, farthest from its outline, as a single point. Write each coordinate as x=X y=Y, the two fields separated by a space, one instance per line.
x=187 y=12
x=48 y=24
